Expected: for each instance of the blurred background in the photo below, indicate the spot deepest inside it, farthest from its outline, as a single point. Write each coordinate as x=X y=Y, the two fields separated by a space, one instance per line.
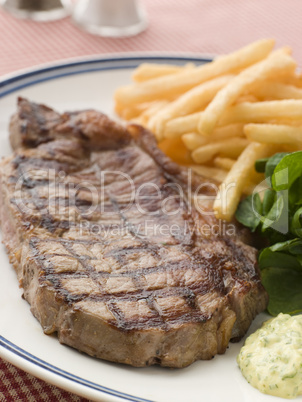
x=179 y=26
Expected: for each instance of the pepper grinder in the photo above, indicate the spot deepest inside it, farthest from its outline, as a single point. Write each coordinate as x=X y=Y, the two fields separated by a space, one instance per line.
x=38 y=10
x=113 y=18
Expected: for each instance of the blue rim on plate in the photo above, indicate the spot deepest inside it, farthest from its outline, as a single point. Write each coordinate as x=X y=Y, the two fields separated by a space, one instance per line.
x=55 y=370
x=30 y=78
x=35 y=76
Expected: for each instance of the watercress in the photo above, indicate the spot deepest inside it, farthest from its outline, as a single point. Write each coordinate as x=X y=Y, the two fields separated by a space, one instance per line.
x=277 y=216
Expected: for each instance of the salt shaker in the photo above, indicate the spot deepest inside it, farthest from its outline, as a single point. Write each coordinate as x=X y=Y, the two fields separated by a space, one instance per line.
x=38 y=10
x=114 y=18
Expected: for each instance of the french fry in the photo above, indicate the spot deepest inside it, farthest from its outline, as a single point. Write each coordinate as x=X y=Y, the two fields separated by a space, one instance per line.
x=128 y=113
x=231 y=189
x=147 y=71
x=139 y=120
x=246 y=112
x=290 y=79
x=261 y=112
x=195 y=140
x=147 y=111
x=175 y=149
x=153 y=108
x=220 y=175
x=286 y=122
x=224 y=163
x=182 y=125
x=244 y=105
x=191 y=101
x=229 y=148
x=171 y=85
x=275 y=63
x=276 y=90
x=246 y=98
x=274 y=134
x=186 y=124
x=210 y=172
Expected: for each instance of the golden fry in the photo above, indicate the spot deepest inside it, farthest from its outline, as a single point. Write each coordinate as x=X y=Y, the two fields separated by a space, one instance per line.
x=153 y=108
x=274 y=134
x=275 y=63
x=230 y=112
x=231 y=189
x=128 y=113
x=229 y=148
x=219 y=175
x=191 y=101
x=224 y=163
x=175 y=149
x=246 y=98
x=139 y=120
x=147 y=71
x=276 y=90
x=195 y=140
x=290 y=79
x=210 y=172
x=259 y=112
x=171 y=85
x=246 y=112
x=182 y=125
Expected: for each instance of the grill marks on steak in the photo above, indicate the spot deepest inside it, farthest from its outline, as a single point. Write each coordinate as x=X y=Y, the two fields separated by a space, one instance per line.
x=108 y=288
x=83 y=278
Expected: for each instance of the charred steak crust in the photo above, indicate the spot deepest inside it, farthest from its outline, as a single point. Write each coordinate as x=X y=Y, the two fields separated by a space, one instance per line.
x=89 y=270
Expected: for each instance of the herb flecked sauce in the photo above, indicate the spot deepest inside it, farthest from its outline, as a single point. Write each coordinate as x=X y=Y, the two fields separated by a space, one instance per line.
x=271 y=358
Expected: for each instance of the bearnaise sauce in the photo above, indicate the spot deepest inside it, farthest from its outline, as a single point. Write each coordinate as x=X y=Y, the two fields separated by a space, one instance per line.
x=271 y=358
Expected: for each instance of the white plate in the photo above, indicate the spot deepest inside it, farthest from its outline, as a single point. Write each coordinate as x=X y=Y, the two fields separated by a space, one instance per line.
x=71 y=86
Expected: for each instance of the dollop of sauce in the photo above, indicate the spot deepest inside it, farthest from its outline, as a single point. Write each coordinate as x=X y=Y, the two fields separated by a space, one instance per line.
x=271 y=358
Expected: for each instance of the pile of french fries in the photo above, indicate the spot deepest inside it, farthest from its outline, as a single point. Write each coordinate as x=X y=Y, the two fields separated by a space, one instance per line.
x=220 y=117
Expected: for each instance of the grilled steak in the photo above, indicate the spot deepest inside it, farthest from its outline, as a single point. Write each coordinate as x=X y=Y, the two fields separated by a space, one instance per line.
x=110 y=248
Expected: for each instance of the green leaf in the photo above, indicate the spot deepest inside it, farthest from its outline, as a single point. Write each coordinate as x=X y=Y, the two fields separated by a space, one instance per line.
x=284 y=289
x=272 y=163
x=287 y=171
x=249 y=211
x=260 y=165
x=295 y=193
x=268 y=201
x=293 y=246
x=269 y=258
x=275 y=217
x=296 y=223
x=281 y=263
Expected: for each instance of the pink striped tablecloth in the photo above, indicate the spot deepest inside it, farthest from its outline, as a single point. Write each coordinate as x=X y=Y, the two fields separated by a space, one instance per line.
x=203 y=26
x=184 y=26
